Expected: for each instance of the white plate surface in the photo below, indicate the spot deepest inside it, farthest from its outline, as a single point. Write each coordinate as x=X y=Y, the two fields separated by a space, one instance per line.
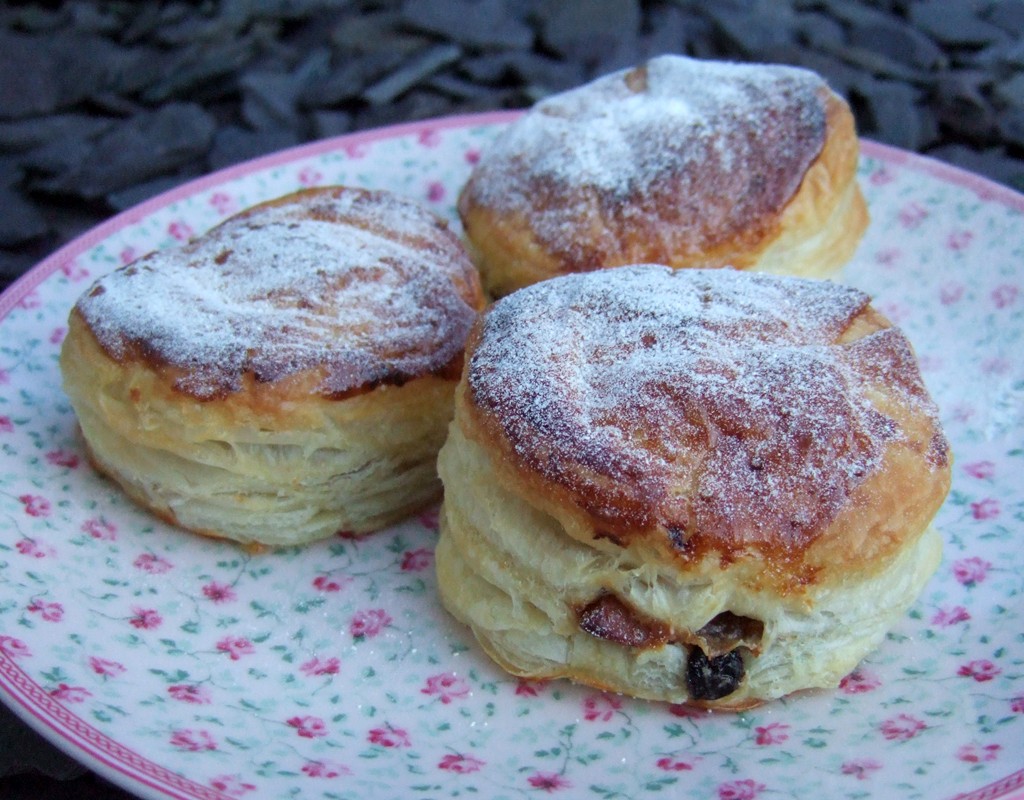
x=185 y=668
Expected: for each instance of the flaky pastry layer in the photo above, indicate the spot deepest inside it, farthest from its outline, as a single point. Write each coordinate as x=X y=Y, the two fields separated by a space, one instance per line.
x=263 y=473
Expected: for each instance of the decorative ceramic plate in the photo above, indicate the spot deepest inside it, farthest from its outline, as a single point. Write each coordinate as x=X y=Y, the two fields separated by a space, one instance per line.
x=180 y=667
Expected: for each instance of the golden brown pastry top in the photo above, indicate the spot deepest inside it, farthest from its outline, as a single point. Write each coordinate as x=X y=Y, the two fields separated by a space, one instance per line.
x=675 y=159
x=776 y=421
x=348 y=288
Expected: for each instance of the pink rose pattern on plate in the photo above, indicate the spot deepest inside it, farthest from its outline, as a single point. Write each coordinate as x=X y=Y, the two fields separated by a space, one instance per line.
x=332 y=671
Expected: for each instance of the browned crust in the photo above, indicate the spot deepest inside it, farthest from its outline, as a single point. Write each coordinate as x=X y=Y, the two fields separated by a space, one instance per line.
x=812 y=540
x=741 y=219
x=252 y=395
x=264 y=380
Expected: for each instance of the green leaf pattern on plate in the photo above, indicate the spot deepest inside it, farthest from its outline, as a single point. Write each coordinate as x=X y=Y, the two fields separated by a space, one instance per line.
x=186 y=666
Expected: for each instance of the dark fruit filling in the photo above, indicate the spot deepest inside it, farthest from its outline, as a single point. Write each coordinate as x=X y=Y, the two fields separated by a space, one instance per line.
x=607 y=617
x=713 y=678
x=714 y=668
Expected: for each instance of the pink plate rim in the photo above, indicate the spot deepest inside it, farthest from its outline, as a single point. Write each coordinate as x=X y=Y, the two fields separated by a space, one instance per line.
x=114 y=760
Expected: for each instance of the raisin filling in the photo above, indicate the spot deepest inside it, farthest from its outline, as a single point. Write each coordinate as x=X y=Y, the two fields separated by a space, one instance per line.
x=714 y=667
x=713 y=678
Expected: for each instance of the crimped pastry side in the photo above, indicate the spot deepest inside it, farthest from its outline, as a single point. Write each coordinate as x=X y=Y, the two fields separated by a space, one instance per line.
x=512 y=574
x=332 y=290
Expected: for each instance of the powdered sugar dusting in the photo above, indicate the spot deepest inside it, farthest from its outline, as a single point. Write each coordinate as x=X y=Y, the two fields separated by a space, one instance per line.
x=367 y=286
x=706 y=147
x=703 y=400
